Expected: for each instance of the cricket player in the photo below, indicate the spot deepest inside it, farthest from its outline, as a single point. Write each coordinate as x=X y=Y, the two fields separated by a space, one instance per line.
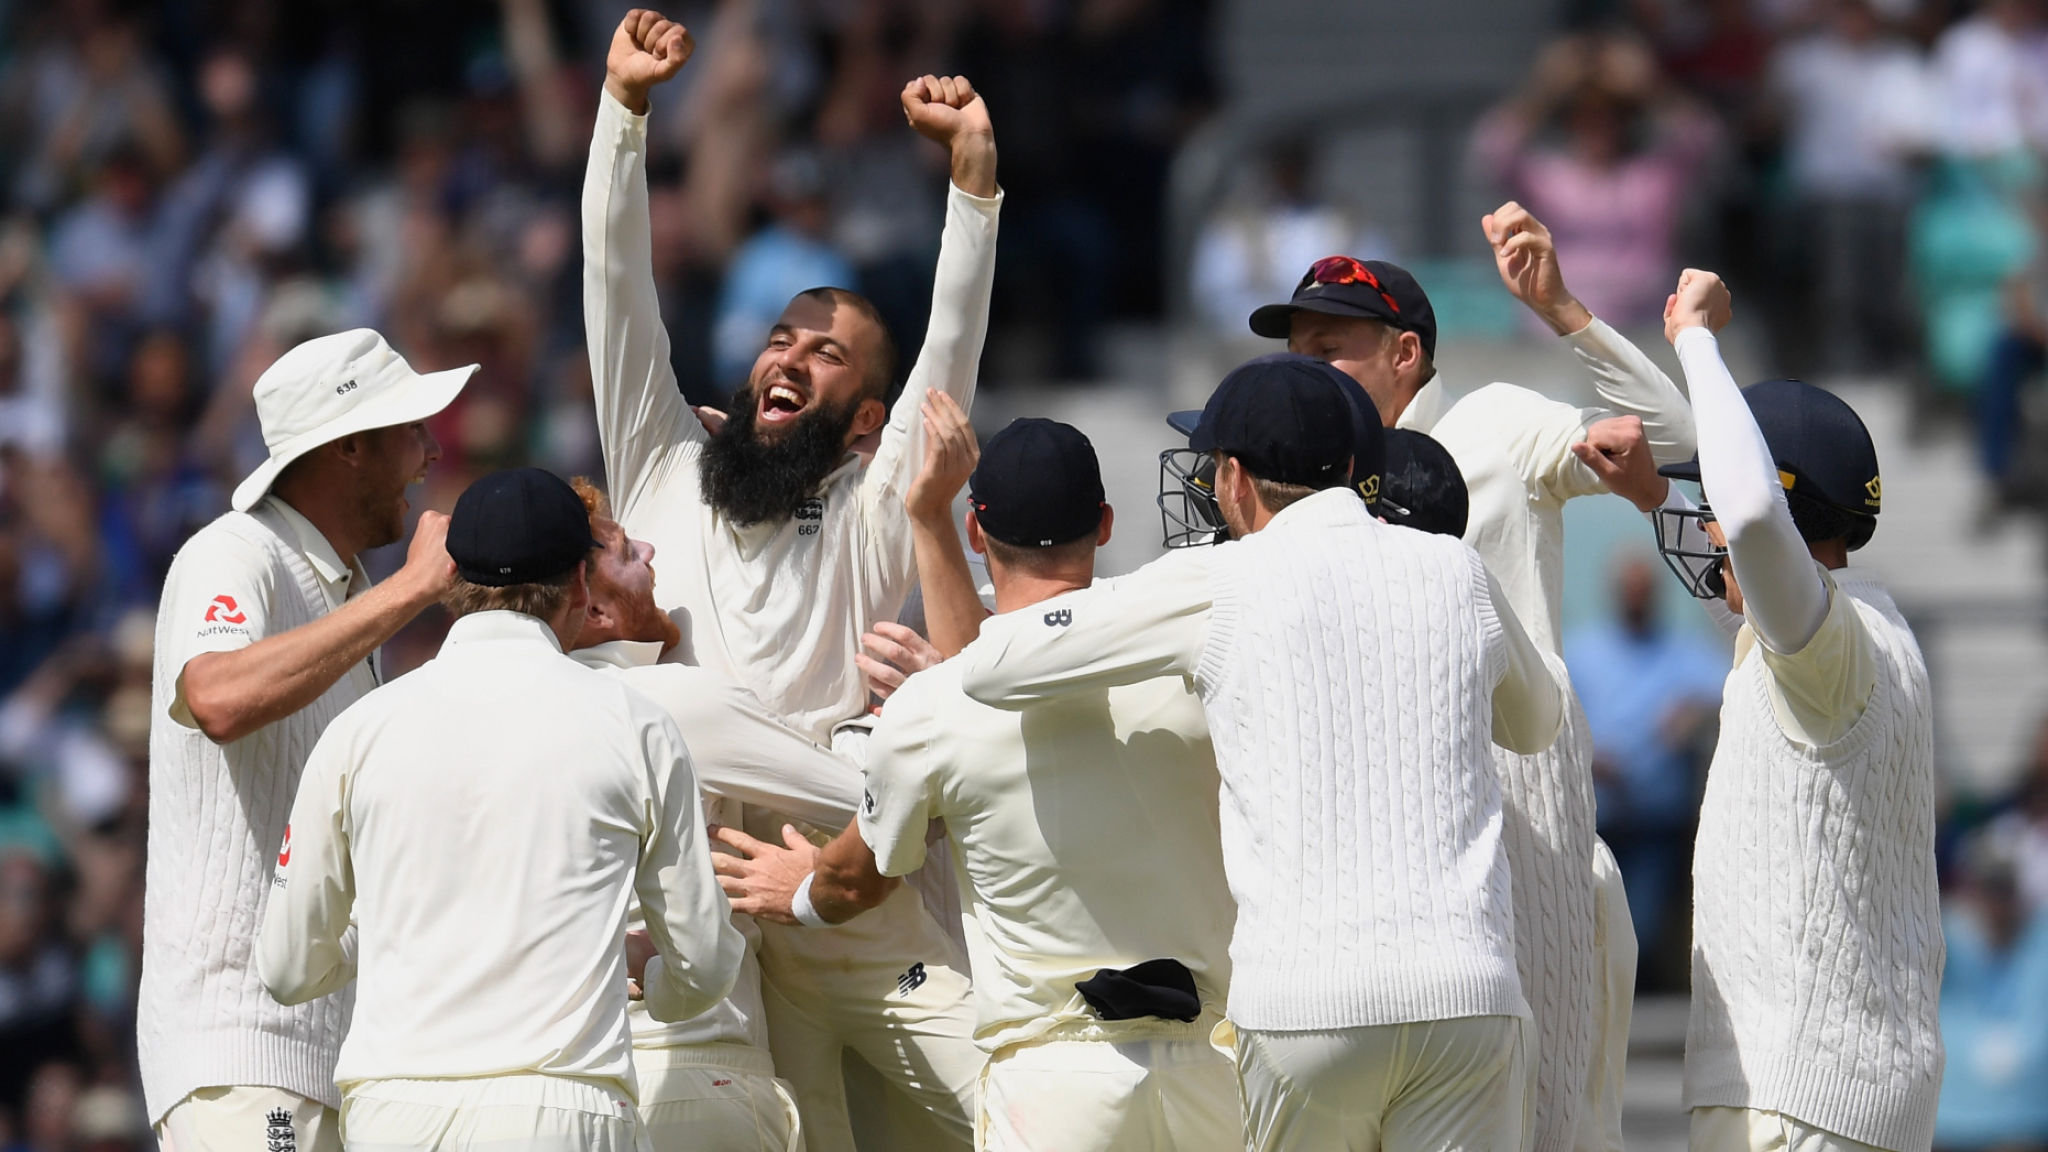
x=1514 y=448
x=1099 y=970
x=1351 y=673
x=268 y=628
x=1817 y=946
x=781 y=549
x=490 y=891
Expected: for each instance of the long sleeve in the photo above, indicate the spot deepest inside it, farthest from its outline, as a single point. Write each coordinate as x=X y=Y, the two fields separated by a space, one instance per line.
x=1783 y=595
x=306 y=947
x=950 y=362
x=1528 y=702
x=697 y=950
x=643 y=424
x=1153 y=622
x=1631 y=384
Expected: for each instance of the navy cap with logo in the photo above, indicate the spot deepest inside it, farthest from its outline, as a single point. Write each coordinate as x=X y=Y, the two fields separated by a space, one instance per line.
x=1037 y=484
x=1823 y=452
x=518 y=526
x=1424 y=489
x=1290 y=419
x=1368 y=436
x=1342 y=286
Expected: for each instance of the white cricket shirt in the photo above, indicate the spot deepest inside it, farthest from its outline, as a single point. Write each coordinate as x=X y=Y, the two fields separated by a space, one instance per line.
x=777 y=607
x=487 y=820
x=1084 y=833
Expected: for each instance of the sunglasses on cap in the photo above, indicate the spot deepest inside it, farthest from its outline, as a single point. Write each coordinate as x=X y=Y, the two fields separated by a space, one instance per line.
x=1345 y=270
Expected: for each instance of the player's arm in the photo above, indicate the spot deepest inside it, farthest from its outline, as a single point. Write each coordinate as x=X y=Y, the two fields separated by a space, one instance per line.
x=1529 y=698
x=697 y=951
x=945 y=110
x=857 y=870
x=952 y=611
x=234 y=684
x=1154 y=622
x=305 y=949
x=742 y=751
x=1628 y=382
x=1614 y=450
x=641 y=415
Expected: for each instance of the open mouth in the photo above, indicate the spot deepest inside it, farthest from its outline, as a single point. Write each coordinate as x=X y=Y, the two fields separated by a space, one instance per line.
x=781 y=403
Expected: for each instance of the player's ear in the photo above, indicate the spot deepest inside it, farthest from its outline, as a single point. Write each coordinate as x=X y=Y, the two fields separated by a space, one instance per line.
x=975 y=540
x=871 y=415
x=1102 y=530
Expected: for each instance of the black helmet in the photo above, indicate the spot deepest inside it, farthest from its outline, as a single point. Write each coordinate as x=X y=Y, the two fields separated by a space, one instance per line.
x=1423 y=488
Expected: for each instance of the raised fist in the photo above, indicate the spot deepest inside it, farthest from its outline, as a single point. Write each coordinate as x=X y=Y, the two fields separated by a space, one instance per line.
x=1701 y=301
x=1527 y=258
x=946 y=110
x=646 y=50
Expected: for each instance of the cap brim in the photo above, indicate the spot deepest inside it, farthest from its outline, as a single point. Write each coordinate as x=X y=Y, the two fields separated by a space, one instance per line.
x=1184 y=422
x=1683 y=470
x=429 y=393
x=1274 y=321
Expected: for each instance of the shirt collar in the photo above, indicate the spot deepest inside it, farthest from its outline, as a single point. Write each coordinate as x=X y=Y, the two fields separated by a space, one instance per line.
x=1428 y=407
x=319 y=553
x=619 y=654
x=1330 y=508
x=499 y=627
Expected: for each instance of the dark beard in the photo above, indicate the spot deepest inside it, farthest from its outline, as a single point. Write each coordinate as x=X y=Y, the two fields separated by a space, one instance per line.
x=751 y=481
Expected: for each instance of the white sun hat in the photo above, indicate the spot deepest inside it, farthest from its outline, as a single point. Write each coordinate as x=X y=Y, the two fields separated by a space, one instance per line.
x=334 y=386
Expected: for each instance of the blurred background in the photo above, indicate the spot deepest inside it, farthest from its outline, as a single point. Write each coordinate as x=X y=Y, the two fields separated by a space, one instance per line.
x=190 y=187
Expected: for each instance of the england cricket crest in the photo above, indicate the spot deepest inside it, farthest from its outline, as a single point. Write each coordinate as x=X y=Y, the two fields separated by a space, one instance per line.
x=279 y=1132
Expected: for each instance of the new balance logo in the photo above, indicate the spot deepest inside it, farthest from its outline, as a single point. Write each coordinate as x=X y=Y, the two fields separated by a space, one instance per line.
x=279 y=1133
x=912 y=979
x=1060 y=618
x=867 y=801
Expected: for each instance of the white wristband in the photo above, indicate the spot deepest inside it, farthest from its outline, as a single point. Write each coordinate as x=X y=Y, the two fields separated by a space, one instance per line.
x=800 y=905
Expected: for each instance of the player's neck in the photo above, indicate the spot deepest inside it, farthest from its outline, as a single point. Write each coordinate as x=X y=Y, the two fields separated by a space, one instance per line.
x=1015 y=590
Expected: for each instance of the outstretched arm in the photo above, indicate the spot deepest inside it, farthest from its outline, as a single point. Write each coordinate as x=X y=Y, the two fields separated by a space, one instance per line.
x=641 y=417
x=1784 y=596
x=947 y=111
x=1627 y=381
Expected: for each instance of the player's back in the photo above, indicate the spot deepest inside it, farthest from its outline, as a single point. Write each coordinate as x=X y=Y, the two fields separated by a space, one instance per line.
x=496 y=806
x=1085 y=830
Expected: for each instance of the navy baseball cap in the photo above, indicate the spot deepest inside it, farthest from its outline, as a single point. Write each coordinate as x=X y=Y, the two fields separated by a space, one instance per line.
x=1424 y=489
x=1290 y=418
x=518 y=526
x=1037 y=484
x=1823 y=452
x=1342 y=286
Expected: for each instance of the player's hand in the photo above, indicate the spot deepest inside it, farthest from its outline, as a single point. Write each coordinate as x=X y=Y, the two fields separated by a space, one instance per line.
x=947 y=111
x=898 y=652
x=950 y=454
x=1618 y=452
x=1527 y=258
x=760 y=879
x=1702 y=301
x=646 y=50
x=428 y=569
x=639 y=950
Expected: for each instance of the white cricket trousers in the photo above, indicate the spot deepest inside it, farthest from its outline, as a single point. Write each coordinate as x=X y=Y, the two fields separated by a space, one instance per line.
x=248 y=1118
x=1133 y=1086
x=1614 y=941
x=528 y=1113
x=715 y=1098
x=892 y=986
x=1755 y=1130
x=1437 y=1085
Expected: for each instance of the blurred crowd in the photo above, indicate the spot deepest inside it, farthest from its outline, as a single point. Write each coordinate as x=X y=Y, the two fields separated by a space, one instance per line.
x=189 y=187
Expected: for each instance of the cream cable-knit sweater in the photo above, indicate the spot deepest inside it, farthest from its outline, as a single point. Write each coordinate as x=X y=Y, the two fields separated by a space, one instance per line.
x=1817 y=947
x=217 y=814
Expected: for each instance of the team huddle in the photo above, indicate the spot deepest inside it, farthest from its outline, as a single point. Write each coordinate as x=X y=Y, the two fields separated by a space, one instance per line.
x=1282 y=841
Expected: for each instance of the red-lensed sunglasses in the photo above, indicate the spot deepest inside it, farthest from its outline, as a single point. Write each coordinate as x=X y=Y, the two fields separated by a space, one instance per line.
x=1345 y=270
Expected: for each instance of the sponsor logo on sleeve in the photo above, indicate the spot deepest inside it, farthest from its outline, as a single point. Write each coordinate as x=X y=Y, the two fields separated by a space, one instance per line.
x=912 y=979
x=224 y=616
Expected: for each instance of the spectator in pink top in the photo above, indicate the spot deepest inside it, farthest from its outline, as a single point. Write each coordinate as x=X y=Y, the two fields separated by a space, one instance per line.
x=1608 y=157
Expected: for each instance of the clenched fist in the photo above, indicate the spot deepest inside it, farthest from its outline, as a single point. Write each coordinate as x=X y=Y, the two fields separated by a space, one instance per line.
x=947 y=111
x=646 y=50
x=1527 y=258
x=1701 y=301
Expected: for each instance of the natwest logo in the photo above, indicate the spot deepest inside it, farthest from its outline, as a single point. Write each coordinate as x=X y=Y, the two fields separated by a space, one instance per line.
x=224 y=610
x=284 y=854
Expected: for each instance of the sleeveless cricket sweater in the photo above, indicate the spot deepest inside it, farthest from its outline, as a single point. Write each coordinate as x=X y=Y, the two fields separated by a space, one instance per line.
x=1817 y=951
x=217 y=815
